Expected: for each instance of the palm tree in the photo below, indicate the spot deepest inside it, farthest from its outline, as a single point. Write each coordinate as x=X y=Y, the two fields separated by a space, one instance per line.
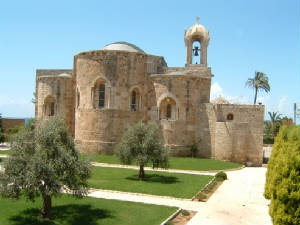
x=259 y=82
x=276 y=122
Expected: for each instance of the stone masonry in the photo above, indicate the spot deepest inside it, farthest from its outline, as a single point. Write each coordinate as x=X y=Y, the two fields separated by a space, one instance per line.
x=109 y=90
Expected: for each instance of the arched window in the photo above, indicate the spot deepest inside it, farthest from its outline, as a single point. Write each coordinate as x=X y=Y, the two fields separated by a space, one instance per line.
x=230 y=116
x=133 y=101
x=49 y=106
x=101 y=102
x=169 y=111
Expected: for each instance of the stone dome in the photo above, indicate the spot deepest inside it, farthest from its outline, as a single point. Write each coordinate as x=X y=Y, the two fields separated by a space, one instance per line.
x=220 y=100
x=123 y=46
x=197 y=31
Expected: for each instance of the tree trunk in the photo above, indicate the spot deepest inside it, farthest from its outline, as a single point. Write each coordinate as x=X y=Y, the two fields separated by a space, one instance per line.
x=255 y=97
x=47 y=203
x=142 y=172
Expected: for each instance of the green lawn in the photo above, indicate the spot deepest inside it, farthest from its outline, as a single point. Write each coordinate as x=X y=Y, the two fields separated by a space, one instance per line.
x=182 y=163
x=4 y=152
x=155 y=183
x=87 y=211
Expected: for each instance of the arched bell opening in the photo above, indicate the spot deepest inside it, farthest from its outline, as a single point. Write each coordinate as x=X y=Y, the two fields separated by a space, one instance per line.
x=196 y=52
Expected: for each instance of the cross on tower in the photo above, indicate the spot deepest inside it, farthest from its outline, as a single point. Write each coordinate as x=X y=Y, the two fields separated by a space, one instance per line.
x=197 y=19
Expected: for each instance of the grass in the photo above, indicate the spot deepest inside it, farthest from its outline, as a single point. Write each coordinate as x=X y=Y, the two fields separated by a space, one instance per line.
x=155 y=183
x=4 y=152
x=182 y=163
x=86 y=211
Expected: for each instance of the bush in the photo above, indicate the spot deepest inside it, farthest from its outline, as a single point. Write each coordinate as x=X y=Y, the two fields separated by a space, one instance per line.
x=169 y=223
x=220 y=176
x=194 y=149
x=185 y=213
x=283 y=178
x=201 y=196
x=268 y=139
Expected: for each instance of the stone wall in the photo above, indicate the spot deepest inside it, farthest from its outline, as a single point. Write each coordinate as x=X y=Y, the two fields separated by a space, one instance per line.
x=98 y=129
x=238 y=140
x=57 y=84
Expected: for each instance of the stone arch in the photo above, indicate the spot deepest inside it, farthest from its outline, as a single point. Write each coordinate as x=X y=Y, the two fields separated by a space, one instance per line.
x=135 y=98
x=168 y=107
x=50 y=106
x=230 y=116
x=101 y=93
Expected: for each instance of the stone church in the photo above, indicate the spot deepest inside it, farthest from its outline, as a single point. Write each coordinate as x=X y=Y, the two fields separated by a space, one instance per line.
x=110 y=89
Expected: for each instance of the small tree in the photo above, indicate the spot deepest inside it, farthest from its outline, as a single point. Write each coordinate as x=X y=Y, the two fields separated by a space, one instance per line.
x=142 y=143
x=44 y=161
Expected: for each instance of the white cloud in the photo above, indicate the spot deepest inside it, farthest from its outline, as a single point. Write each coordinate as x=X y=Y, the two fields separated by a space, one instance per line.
x=217 y=91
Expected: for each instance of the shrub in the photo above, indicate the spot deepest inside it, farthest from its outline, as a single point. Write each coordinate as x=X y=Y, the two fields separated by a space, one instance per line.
x=220 y=176
x=185 y=213
x=194 y=149
x=169 y=223
x=283 y=178
x=201 y=196
x=268 y=139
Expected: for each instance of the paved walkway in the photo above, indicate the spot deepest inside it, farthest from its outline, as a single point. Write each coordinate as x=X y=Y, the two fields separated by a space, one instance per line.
x=212 y=173
x=238 y=201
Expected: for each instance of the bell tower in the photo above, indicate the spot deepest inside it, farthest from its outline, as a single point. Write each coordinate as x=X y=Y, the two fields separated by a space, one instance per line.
x=196 y=34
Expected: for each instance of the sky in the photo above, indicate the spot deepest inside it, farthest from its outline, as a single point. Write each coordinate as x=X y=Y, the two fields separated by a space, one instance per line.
x=245 y=36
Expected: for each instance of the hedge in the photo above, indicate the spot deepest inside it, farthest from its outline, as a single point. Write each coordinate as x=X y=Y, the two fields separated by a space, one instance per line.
x=283 y=177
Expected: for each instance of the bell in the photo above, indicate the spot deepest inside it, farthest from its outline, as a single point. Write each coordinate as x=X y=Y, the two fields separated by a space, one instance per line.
x=196 y=51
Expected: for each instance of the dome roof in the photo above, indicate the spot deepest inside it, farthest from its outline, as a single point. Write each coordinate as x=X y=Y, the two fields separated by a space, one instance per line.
x=123 y=46
x=197 y=31
x=220 y=100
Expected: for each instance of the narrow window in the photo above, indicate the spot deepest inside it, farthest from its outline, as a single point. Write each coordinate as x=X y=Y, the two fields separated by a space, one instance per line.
x=169 y=111
x=133 y=101
x=52 y=109
x=230 y=116
x=101 y=95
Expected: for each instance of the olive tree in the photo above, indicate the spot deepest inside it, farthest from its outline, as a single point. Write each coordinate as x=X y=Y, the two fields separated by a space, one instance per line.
x=43 y=162
x=142 y=144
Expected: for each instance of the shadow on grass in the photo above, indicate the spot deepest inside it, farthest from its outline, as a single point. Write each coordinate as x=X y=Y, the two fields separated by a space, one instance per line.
x=66 y=214
x=155 y=178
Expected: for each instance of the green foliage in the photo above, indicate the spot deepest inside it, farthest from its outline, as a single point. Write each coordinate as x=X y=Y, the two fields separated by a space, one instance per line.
x=43 y=160
x=194 y=149
x=1 y=130
x=185 y=213
x=169 y=223
x=283 y=178
x=268 y=139
x=142 y=143
x=220 y=176
x=259 y=82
